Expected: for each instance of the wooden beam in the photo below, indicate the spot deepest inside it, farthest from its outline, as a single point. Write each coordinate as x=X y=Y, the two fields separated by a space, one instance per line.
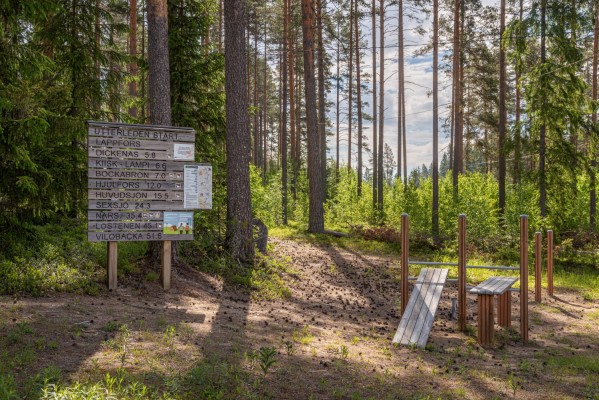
x=524 y=278
x=166 y=264
x=405 y=268
x=462 y=272
x=111 y=264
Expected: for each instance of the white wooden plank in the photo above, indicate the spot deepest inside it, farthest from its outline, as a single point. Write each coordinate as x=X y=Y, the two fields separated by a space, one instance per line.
x=419 y=299
x=135 y=154
x=432 y=309
x=124 y=226
x=117 y=143
x=405 y=318
x=159 y=166
x=419 y=321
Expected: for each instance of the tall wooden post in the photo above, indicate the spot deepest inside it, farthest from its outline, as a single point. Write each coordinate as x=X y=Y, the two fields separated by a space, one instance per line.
x=405 y=267
x=538 y=267
x=524 y=278
x=166 y=264
x=550 y=263
x=111 y=264
x=462 y=272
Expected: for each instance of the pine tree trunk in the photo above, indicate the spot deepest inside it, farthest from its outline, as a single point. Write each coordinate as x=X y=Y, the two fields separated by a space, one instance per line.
x=457 y=142
x=375 y=149
x=283 y=142
x=265 y=113
x=401 y=121
x=337 y=116
x=542 y=135
x=358 y=99
x=256 y=156
x=239 y=241
x=159 y=99
x=351 y=87
x=435 y=213
x=592 y=153
x=502 y=112
x=292 y=110
x=517 y=137
x=321 y=98
x=133 y=54
x=315 y=184
x=220 y=26
x=381 y=121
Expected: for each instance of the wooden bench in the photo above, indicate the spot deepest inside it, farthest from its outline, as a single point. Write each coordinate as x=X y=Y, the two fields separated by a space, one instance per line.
x=417 y=320
x=494 y=286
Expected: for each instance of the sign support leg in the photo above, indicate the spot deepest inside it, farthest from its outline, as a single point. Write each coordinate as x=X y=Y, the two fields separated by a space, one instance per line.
x=111 y=264
x=166 y=264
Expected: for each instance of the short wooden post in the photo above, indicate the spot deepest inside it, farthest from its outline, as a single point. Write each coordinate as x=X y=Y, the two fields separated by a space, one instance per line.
x=462 y=272
x=524 y=278
x=538 y=261
x=486 y=329
x=166 y=264
x=550 y=263
x=405 y=267
x=111 y=264
x=504 y=309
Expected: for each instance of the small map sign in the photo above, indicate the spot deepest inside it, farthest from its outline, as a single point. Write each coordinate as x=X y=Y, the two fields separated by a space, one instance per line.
x=142 y=182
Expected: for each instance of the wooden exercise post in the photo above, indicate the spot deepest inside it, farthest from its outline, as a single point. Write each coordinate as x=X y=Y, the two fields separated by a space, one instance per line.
x=462 y=272
x=166 y=264
x=111 y=264
x=550 y=263
x=524 y=278
x=538 y=261
x=405 y=268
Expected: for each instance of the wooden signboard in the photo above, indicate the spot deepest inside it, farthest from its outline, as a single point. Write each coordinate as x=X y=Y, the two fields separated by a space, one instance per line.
x=136 y=173
x=143 y=185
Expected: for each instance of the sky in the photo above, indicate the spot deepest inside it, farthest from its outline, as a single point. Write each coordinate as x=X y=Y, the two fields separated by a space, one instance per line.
x=419 y=105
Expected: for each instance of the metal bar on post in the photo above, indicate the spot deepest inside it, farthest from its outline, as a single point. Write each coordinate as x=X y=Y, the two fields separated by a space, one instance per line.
x=166 y=264
x=550 y=263
x=524 y=278
x=538 y=266
x=111 y=264
x=405 y=249
x=462 y=272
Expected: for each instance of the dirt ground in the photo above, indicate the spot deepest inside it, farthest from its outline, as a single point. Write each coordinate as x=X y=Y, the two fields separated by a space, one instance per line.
x=333 y=336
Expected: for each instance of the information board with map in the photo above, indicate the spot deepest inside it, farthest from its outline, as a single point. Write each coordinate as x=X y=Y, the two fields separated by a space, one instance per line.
x=143 y=183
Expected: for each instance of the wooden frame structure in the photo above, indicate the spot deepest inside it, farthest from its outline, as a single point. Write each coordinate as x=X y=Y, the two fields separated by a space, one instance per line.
x=486 y=304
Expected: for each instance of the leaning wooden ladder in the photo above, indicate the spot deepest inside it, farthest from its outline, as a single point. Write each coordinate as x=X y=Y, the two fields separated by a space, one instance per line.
x=417 y=319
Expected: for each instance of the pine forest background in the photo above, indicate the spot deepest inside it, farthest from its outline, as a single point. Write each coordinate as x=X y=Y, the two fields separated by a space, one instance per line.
x=522 y=124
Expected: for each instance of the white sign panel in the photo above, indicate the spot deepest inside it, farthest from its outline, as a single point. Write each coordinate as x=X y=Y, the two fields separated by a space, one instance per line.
x=183 y=151
x=197 y=183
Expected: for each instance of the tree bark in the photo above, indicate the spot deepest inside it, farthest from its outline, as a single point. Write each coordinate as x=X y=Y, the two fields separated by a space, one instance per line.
x=351 y=82
x=133 y=54
x=592 y=154
x=542 y=133
x=315 y=184
x=358 y=99
x=239 y=241
x=435 y=213
x=337 y=116
x=256 y=155
x=321 y=98
x=292 y=109
x=381 y=122
x=159 y=89
x=517 y=137
x=401 y=114
x=283 y=142
x=375 y=187
x=502 y=112
x=457 y=142
x=264 y=112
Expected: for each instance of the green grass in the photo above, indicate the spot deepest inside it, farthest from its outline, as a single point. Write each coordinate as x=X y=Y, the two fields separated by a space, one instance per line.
x=574 y=364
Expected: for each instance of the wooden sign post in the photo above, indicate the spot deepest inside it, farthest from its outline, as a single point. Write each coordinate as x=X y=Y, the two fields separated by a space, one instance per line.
x=143 y=185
